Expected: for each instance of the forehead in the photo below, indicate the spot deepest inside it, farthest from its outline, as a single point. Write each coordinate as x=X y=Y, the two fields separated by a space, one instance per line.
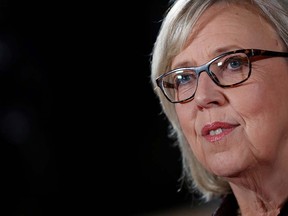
x=224 y=27
x=243 y=19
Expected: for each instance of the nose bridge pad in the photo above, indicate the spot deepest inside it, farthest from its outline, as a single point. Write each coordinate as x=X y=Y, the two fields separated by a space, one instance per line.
x=210 y=74
x=201 y=69
x=213 y=76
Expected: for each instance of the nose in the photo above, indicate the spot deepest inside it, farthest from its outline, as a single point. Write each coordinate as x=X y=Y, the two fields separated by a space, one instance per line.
x=208 y=94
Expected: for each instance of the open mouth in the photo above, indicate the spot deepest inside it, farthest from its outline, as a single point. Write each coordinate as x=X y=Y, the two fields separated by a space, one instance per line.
x=217 y=130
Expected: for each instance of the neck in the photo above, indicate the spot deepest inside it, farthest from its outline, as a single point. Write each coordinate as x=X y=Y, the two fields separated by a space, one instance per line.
x=265 y=201
x=261 y=194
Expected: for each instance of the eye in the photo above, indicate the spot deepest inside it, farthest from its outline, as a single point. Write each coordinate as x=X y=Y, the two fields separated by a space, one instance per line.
x=234 y=63
x=185 y=78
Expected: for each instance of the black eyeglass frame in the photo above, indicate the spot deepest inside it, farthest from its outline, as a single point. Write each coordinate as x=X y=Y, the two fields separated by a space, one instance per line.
x=205 y=68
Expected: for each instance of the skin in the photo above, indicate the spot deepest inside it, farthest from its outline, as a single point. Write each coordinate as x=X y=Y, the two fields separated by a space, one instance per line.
x=253 y=157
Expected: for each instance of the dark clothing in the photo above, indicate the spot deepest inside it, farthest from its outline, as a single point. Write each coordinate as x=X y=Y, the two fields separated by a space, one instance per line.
x=229 y=207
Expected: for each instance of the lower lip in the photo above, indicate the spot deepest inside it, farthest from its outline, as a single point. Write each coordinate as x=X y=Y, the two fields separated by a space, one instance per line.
x=218 y=137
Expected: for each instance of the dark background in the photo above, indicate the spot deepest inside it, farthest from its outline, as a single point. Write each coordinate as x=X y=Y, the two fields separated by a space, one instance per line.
x=80 y=127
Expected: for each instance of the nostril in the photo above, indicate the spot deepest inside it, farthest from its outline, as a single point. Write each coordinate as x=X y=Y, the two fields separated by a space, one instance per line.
x=200 y=108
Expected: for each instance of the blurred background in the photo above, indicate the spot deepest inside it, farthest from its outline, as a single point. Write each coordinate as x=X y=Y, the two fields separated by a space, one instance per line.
x=81 y=130
x=143 y=177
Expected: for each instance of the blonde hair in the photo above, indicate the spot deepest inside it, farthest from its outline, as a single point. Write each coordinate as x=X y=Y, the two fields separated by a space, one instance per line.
x=173 y=35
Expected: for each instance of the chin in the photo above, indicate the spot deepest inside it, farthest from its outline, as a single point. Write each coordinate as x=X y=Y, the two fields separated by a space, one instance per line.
x=227 y=173
x=228 y=168
x=229 y=162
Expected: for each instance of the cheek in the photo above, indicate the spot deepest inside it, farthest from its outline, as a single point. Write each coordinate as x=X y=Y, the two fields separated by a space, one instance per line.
x=248 y=102
x=187 y=119
x=255 y=97
x=263 y=111
x=262 y=98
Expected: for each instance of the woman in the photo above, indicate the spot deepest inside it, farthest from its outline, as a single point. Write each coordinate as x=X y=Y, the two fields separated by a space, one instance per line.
x=220 y=69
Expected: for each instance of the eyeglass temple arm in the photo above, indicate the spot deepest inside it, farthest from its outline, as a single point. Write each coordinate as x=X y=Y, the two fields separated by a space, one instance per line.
x=256 y=52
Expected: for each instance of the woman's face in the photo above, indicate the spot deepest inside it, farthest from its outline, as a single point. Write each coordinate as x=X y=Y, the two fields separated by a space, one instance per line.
x=249 y=122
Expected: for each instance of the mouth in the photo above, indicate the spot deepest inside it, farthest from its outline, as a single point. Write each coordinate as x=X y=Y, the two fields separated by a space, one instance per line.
x=217 y=130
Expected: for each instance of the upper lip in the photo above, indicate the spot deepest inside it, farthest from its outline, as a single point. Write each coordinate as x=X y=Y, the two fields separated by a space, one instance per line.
x=215 y=125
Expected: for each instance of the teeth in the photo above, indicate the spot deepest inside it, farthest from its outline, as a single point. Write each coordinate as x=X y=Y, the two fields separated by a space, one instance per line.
x=215 y=132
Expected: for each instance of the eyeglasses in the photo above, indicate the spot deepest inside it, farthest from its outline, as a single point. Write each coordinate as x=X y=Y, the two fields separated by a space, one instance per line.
x=226 y=70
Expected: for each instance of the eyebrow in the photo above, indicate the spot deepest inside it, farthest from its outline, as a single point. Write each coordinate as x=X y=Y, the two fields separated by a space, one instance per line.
x=183 y=64
x=224 y=49
x=213 y=54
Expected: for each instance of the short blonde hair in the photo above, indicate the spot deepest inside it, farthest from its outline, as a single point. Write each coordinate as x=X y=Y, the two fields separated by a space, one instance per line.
x=172 y=38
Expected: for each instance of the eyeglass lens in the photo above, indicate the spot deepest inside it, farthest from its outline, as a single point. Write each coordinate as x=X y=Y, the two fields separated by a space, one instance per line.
x=181 y=84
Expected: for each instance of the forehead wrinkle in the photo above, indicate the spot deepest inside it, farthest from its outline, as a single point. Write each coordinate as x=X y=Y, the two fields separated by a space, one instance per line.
x=209 y=54
x=183 y=64
x=221 y=7
x=206 y=18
